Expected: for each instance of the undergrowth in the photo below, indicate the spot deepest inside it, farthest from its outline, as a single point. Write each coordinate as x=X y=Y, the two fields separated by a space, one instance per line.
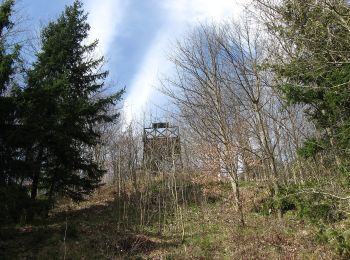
x=326 y=213
x=112 y=226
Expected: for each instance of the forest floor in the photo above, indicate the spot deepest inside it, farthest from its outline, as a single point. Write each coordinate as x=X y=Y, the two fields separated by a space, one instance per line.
x=92 y=231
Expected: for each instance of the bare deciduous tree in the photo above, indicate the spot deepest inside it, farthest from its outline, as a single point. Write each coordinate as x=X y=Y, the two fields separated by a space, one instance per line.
x=230 y=103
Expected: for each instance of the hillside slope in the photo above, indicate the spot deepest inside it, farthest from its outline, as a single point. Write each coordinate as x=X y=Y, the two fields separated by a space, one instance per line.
x=95 y=230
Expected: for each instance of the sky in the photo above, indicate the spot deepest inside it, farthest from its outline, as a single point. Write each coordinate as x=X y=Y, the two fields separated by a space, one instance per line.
x=136 y=37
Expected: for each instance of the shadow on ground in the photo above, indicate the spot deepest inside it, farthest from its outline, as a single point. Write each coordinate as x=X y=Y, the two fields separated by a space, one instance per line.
x=107 y=231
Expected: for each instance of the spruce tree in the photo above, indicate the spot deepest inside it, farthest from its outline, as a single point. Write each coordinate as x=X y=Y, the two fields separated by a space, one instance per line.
x=315 y=69
x=8 y=60
x=64 y=103
x=13 y=195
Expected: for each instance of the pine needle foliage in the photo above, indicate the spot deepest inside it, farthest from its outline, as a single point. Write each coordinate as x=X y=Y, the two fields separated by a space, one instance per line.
x=63 y=104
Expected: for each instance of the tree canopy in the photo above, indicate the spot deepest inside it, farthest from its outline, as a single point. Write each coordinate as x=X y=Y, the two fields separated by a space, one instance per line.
x=314 y=66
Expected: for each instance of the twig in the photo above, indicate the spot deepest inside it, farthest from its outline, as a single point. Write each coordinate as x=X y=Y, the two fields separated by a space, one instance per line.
x=313 y=191
x=64 y=238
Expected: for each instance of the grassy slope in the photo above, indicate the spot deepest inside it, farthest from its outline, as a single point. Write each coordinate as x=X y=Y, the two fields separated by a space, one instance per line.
x=211 y=232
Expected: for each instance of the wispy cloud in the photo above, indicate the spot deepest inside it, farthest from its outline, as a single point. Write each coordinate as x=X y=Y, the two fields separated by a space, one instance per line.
x=105 y=18
x=199 y=10
x=143 y=83
x=182 y=15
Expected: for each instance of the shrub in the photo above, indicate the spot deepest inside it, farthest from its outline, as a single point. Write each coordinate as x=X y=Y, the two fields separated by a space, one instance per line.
x=338 y=239
x=322 y=211
x=313 y=207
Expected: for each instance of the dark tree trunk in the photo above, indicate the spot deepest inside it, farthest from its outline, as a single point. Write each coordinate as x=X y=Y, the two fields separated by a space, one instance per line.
x=36 y=175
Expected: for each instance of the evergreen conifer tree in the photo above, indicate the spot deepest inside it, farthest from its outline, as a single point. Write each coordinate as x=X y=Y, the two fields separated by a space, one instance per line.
x=63 y=104
x=8 y=58
x=13 y=195
x=316 y=73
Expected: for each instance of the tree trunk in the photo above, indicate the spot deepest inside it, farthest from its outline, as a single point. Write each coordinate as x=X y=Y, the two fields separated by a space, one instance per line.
x=36 y=175
x=238 y=202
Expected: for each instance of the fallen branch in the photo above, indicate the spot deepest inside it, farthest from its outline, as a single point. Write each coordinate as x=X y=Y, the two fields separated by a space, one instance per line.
x=329 y=195
x=313 y=191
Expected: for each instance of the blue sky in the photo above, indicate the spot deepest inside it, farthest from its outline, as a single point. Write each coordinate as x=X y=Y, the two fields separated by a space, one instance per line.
x=135 y=36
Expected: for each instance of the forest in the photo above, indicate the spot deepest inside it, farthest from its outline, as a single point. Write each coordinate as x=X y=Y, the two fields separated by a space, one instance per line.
x=258 y=166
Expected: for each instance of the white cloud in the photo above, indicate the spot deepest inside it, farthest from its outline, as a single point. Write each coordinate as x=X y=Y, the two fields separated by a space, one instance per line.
x=182 y=15
x=198 y=10
x=142 y=85
x=105 y=17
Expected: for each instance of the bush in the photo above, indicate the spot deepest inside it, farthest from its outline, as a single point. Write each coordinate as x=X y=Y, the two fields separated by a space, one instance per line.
x=318 y=209
x=338 y=239
x=313 y=207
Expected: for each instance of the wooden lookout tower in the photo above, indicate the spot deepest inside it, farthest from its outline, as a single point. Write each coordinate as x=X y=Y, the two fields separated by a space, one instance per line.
x=161 y=148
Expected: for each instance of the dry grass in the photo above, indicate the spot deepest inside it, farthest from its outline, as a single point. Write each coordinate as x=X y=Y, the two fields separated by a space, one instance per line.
x=95 y=232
